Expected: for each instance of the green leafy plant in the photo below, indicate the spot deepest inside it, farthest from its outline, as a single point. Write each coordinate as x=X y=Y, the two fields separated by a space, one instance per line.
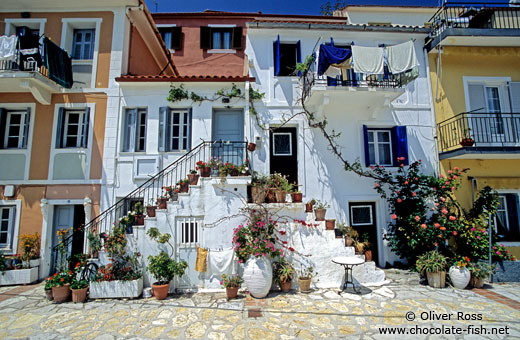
x=139 y=208
x=480 y=270
x=432 y=262
x=177 y=93
x=79 y=284
x=115 y=241
x=30 y=244
x=283 y=271
x=162 y=266
x=307 y=273
x=321 y=205
x=232 y=281
x=94 y=242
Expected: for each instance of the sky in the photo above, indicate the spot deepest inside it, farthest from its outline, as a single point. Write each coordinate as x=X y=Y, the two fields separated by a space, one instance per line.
x=307 y=7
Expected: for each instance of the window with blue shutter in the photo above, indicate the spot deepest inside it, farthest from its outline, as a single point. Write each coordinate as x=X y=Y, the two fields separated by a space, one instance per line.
x=83 y=44
x=286 y=56
x=507 y=218
x=14 y=128
x=383 y=146
x=174 y=129
x=73 y=128
x=134 y=139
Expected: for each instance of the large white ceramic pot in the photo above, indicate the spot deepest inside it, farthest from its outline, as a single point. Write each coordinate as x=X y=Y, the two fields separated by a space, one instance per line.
x=258 y=276
x=460 y=277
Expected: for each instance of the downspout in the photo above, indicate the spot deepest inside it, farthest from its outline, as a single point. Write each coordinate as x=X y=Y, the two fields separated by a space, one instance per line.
x=247 y=123
x=116 y=156
x=432 y=110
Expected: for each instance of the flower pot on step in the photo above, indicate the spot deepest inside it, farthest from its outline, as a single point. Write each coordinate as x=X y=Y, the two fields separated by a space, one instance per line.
x=348 y=241
x=281 y=196
x=79 y=295
x=205 y=172
x=161 y=202
x=231 y=292
x=305 y=285
x=368 y=255
x=193 y=179
x=437 y=279
x=271 y=195
x=329 y=224
x=297 y=197
x=160 y=291
x=308 y=207
x=61 y=294
x=150 y=210
x=139 y=219
x=184 y=187
x=285 y=286
x=234 y=172
x=258 y=194
x=320 y=214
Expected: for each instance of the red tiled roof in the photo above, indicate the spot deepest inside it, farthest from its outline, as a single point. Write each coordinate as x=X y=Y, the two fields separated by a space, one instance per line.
x=192 y=78
x=314 y=22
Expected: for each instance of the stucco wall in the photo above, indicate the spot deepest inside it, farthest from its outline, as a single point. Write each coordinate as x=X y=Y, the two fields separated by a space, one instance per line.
x=140 y=60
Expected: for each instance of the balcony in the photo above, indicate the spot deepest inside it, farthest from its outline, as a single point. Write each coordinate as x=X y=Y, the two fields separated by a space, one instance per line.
x=42 y=70
x=482 y=135
x=475 y=24
x=374 y=91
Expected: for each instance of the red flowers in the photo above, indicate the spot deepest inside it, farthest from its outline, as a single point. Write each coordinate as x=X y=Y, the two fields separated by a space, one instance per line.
x=282 y=232
x=291 y=248
x=394 y=216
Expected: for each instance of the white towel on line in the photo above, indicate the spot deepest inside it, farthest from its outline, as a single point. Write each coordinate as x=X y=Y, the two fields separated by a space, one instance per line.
x=368 y=60
x=401 y=58
x=221 y=262
x=8 y=47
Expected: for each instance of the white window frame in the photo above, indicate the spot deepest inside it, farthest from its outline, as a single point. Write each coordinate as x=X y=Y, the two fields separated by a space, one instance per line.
x=181 y=130
x=185 y=234
x=16 y=205
x=166 y=26
x=500 y=82
x=66 y=128
x=290 y=144
x=27 y=151
x=67 y=36
x=503 y=192
x=86 y=151
x=20 y=128
x=361 y=206
x=222 y=50
x=376 y=144
x=12 y=23
x=502 y=196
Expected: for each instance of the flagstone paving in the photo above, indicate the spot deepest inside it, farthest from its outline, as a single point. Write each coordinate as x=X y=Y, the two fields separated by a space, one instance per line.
x=322 y=314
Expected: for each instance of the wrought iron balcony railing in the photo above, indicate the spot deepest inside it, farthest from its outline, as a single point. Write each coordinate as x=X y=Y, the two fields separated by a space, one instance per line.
x=480 y=15
x=480 y=130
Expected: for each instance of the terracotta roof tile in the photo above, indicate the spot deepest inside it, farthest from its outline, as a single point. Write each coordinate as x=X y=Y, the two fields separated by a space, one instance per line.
x=185 y=78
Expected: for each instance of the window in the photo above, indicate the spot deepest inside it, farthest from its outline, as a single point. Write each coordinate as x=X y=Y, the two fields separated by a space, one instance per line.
x=14 y=128
x=361 y=215
x=507 y=219
x=73 y=128
x=383 y=146
x=282 y=144
x=189 y=232
x=172 y=37
x=174 y=129
x=26 y=31
x=83 y=44
x=135 y=130
x=7 y=218
x=286 y=56
x=220 y=38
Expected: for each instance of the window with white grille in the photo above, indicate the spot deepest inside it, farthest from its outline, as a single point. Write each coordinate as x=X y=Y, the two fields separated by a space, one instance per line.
x=189 y=231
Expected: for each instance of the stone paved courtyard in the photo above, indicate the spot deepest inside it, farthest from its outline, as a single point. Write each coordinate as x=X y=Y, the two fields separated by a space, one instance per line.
x=323 y=314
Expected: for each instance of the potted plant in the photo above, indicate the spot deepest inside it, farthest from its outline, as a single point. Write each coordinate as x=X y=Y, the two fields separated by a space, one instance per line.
x=305 y=276
x=479 y=271
x=184 y=185
x=251 y=147
x=30 y=244
x=296 y=195
x=204 y=168
x=139 y=213
x=283 y=273
x=48 y=288
x=459 y=273
x=61 y=286
x=467 y=140
x=193 y=177
x=94 y=244
x=79 y=290
x=366 y=247
x=162 y=201
x=330 y=224
x=433 y=264
x=349 y=234
x=320 y=209
x=244 y=169
x=150 y=209
x=309 y=206
x=162 y=266
x=259 y=188
x=232 y=284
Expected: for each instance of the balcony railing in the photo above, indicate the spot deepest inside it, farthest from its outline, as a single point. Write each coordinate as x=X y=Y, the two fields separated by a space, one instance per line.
x=479 y=15
x=480 y=130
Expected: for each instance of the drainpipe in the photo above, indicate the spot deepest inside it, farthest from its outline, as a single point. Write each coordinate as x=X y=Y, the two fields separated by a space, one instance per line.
x=432 y=116
x=247 y=123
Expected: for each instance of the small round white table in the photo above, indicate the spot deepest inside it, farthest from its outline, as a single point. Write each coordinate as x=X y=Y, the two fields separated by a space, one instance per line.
x=348 y=262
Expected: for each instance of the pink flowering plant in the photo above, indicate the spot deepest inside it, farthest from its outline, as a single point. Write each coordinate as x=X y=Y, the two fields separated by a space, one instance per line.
x=231 y=281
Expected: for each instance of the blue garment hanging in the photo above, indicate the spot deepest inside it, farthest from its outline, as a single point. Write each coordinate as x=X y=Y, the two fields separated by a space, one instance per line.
x=276 y=47
x=331 y=41
x=331 y=55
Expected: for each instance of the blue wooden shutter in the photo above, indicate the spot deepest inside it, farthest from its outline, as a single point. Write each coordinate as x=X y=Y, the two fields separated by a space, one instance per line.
x=399 y=144
x=299 y=54
x=130 y=131
x=85 y=128
x=164 y=129
x=26 y=128
x=59 y=128
x=276 y=53
x=512 y=214
x=365 y=143
x=3 y=122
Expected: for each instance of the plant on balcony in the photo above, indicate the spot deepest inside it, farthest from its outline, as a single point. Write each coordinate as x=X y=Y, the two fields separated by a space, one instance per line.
x=296 y=194
x=150 y=208
x=467 y=140
x=193 y=177
x=280 y=186
x=171 y=193
x=259 y=188
x=244 y=169
x=204 y=168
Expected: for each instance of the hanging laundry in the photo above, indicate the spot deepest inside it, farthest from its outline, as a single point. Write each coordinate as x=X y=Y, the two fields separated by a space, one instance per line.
x=401 y=57
x=221 y=262
x=330 y=55
x=409 y=76
x=201 y=263
x=8 y=47
x=368 y=60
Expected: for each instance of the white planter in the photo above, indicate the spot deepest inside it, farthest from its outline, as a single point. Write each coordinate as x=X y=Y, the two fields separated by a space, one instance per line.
x=18 y=277
x=34 y=263
x=258 y=276
x=460 y=277
x=116 y=289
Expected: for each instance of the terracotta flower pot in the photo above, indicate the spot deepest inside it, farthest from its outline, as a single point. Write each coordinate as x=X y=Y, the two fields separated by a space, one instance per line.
x=150 y=210
x=160 y=291
x=329 y=224
x=305 y=285
x=161 y=201
x=467 y=142
x=348 y=241
x=251 y=147
x=271 y=195
x=320 y=214
x=184 y=187
x=205 y=172
x=139 y=219
x=258 y=194
x=61 y=294
x=476 y=282
x=231 y=292
x=368 y=255
x=48 y=294
x=308 y=207
x=285 y=286
x=193 y=179
x=79 y=295
x=233 y=172
x=281 y=196
x=297 y=197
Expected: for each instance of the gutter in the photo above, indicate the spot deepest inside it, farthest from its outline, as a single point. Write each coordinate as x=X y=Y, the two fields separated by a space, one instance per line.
x=341 y=27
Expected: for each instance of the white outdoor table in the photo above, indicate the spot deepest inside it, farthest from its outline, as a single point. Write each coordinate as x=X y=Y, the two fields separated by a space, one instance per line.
x=348 y=262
